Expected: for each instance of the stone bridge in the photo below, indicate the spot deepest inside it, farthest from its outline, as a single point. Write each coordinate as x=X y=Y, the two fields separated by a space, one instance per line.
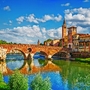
x=27 y=49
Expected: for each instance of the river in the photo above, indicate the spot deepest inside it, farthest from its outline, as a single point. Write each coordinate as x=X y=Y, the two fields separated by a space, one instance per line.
x=74 y=75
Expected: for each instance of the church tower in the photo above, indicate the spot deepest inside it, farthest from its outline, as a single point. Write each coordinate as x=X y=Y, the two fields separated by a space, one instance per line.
x=64 y=28
x=38 y=43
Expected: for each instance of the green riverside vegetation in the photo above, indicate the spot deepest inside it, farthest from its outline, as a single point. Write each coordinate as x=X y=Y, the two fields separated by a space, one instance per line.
x=76 y=73
x=82 y=59
x=18 y=81
x=3 y=85
x=40 y=84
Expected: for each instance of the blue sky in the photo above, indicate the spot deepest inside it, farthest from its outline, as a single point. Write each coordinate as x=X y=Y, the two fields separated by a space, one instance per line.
x=26 y=21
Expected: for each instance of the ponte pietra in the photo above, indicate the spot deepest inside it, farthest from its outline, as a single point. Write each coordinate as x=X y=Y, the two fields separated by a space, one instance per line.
x=26 y=49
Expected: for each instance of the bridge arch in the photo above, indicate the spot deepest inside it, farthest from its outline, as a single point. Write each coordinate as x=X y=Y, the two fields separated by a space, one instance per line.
x=15 y=59
x=13 y=51
x=61 y=54
x=42 y=52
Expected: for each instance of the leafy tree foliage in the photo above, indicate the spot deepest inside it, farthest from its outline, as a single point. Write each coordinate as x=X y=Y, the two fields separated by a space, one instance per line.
x=3 y=85
x=48 y=40
x=40 y=84
x=3 y=42
x=18 y=81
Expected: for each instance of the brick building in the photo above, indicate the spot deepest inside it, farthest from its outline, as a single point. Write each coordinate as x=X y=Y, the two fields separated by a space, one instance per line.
x=72 y=39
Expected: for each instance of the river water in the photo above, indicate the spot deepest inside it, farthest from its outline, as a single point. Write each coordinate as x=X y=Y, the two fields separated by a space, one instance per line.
x=74 y=75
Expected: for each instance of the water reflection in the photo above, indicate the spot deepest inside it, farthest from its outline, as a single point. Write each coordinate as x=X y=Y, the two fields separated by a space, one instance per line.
x=55 y=78
x=74 y=75
x=14 y=61
x=36 y=57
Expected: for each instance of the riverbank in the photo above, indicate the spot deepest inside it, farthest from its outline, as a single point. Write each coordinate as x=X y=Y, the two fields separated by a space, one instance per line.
x=84 y=60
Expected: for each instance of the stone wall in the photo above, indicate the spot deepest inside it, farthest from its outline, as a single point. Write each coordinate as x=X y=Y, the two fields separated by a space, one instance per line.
x=80 y=55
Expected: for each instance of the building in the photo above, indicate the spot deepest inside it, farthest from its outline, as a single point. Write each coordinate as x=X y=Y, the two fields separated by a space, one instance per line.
x=84 y=43
x=55 y=42
x=72 y=40
x=67 y=35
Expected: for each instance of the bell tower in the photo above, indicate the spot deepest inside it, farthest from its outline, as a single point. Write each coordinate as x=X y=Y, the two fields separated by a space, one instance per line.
x=38 y=43
x=64 y=29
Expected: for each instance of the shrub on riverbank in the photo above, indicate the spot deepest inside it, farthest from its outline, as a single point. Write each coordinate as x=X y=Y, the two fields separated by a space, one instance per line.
x=3 y=85
x=40 y=84
x=18 y=81
x=82 y=59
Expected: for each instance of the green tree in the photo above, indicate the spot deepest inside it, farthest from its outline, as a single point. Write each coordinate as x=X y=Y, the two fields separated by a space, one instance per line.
x=3 y=42
x=3 y=85
x=40 y=84
x=18 y=81
x=49 y=40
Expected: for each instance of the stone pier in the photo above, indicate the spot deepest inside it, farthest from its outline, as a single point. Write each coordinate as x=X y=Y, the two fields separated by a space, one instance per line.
x=3 y=68
x=3 y=53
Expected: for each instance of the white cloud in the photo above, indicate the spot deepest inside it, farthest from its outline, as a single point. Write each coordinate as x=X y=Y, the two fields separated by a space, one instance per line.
x=20 y=19
x=86 y=1
x=78 y=17
x=53 y=33
x=44 y=30
x=47 y=18
x=33 y=19
x=33 y=31
x=67 y=4
x=58 y=18
x=29 y=34
x=82 y=30
x=50 y=17
x=24 y=34
x=10 y=21
x=7 y=8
